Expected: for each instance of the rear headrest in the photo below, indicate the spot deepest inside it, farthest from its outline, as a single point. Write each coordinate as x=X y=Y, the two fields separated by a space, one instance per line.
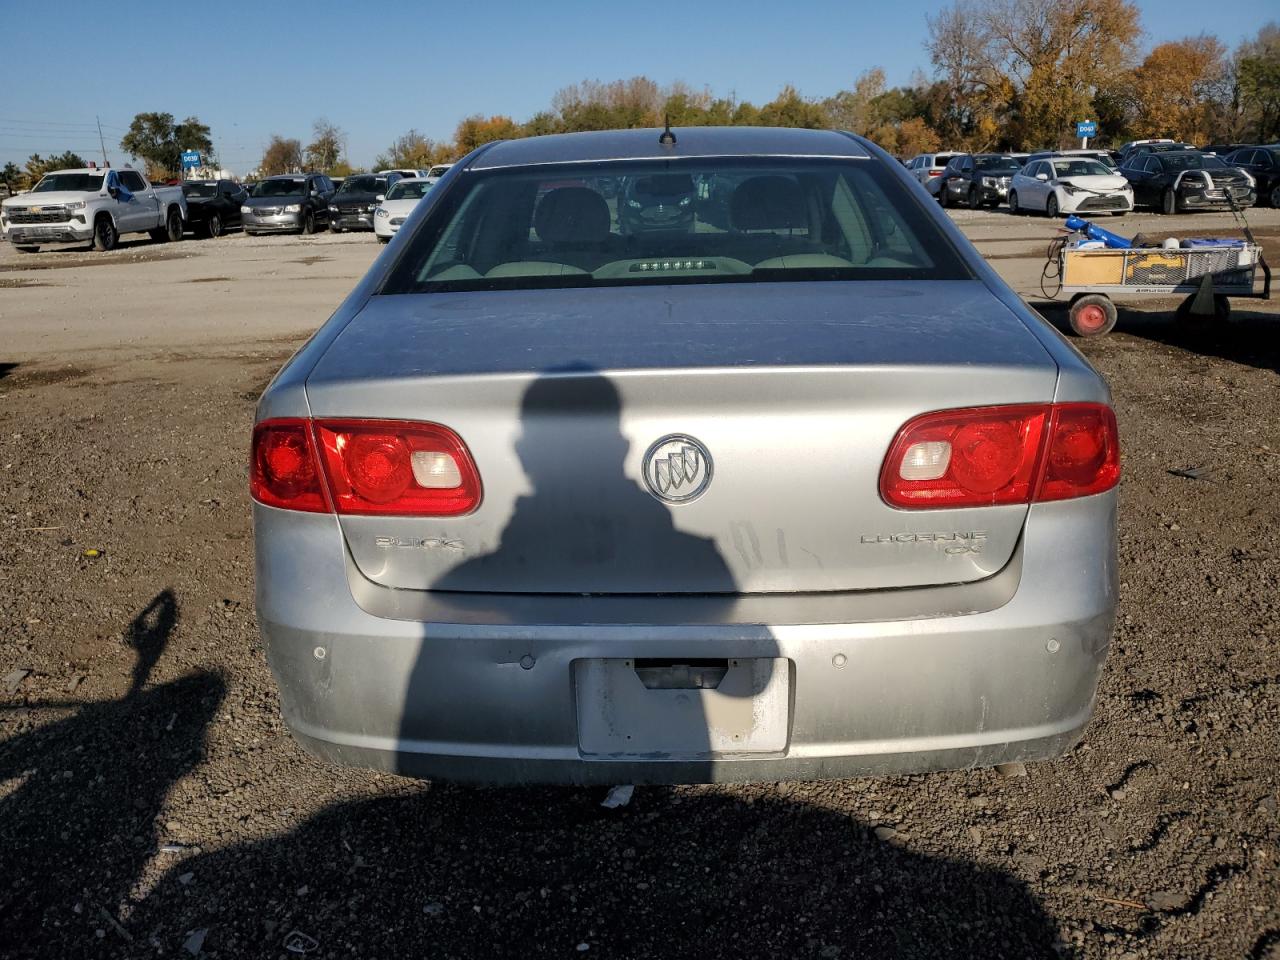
x=768 y=203
x=572 y=215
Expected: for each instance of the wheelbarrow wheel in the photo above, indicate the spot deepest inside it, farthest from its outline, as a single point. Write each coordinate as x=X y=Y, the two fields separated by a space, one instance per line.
x=1092 y=315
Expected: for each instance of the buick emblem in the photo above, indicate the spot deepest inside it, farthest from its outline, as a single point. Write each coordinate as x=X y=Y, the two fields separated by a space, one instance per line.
x=677 y=469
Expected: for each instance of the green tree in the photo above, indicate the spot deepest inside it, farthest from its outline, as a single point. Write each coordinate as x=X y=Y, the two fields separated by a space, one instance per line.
x=12 y=176
x=159 y=141
x=1257 y=70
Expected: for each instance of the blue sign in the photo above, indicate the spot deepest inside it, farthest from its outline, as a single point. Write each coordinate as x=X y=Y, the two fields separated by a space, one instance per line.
x=190 y=158
x=1086 y=128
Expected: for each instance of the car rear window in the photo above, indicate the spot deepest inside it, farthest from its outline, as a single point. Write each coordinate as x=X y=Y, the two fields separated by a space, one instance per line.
x=658 y=222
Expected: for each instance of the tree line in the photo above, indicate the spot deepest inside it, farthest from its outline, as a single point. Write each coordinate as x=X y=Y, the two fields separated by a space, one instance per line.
x=1005 y=75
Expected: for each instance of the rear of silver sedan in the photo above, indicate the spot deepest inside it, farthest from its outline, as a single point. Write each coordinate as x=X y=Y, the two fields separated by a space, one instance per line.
x=799 y=492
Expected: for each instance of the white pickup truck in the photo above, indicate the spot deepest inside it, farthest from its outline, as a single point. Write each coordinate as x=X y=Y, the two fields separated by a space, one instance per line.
x=94 y=206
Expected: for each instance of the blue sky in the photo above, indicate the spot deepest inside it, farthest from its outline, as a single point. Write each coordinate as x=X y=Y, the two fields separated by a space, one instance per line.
x=376 y=70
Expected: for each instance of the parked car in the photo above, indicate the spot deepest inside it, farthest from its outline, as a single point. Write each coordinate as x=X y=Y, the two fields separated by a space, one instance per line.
x=660 y=202
x=1102 y=156
x=438 y=171
x=406 y=172
x=288 y=203
x=353 y=205
x=394 y=208
x=977 y=179
x=511 y=500
x=1222 y=149
x=1263 y=164
x=1058 y=185
x=94 y=206
x=926 y=166
x=213 y=205
x=1139 y=147
x=1173 y=181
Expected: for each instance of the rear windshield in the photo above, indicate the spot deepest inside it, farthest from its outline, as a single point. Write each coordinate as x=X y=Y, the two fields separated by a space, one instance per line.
x=76 y=182
x=997 y=164
x=199 y=189
x=438 y=171
x=279 y=188
x=1191 y=161
x=624 y=223
x=363 y=185
x=409 y=190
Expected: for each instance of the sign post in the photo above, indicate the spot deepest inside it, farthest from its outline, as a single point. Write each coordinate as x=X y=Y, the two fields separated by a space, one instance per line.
x=190 y=160
x=1084 y=130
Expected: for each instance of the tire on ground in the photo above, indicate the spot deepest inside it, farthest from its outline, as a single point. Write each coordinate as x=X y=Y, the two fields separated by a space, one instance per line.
x=1092 y=315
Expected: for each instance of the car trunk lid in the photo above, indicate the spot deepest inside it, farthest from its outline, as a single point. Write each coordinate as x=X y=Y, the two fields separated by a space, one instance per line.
x=783 y=397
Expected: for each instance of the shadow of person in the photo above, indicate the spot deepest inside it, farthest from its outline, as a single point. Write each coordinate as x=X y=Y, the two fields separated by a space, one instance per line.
x=591 y=535
x=532 y=872
x=83 y=795
x=585 y=527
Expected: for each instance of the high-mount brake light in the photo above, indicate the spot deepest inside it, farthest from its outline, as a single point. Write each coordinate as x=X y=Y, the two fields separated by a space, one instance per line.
x=369 y=467
x=986 y=456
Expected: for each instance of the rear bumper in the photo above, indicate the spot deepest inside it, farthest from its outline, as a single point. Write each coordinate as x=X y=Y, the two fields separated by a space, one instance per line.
x=484 y=688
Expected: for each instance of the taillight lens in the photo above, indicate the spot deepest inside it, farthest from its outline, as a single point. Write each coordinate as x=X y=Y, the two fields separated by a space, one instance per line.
x=384 y=467
x=984 y=456
x=284 y=471
x=397 y=467
x=1084 y=452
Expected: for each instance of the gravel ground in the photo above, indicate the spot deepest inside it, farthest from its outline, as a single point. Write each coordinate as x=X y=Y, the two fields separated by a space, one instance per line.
x=152 y=804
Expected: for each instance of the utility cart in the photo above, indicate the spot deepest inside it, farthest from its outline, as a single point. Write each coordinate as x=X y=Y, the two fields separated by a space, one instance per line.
x=1208 y=271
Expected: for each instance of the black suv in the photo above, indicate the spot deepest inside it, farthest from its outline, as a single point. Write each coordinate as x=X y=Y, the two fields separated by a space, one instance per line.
x=1263 y=164
x=357 y=198
x=978 y=179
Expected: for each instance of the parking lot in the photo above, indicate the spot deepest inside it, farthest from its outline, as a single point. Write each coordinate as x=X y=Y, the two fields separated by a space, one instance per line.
x=151 y=799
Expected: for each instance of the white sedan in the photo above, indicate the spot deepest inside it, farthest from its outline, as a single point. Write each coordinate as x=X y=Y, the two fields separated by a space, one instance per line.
x=1058 y=185
x=397 y=205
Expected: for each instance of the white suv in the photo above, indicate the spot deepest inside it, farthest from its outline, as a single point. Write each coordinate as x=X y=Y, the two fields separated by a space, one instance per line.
x=926 y=166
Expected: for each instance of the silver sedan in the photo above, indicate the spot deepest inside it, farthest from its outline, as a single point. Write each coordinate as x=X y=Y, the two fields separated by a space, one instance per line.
x=787 y=485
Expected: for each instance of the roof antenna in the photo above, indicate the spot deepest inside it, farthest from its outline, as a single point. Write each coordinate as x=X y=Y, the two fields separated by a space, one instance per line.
x=667 y=138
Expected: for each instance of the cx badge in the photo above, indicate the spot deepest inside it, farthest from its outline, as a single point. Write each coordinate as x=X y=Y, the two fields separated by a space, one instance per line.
x=677 y=469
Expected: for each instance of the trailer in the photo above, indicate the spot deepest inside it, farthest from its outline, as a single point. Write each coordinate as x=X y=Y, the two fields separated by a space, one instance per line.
x=1209 y=272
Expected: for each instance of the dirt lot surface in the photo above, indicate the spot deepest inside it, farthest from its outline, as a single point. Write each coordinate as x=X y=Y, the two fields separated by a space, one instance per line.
x=152 y=804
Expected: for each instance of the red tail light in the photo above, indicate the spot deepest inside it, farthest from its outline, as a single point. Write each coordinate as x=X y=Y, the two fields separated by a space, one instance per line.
x=984 y=456
x=379 y=467
x=285 y=471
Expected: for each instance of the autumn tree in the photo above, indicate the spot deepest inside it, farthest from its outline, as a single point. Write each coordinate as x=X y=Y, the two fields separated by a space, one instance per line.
x=325 y=149
x=1023 y=71
x=853 y=110
x=413 y=151
x=1177 y=87
x=789 y=109
x=37 y=166
x=281 y=156
x=159 y=141
x=476 y=130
